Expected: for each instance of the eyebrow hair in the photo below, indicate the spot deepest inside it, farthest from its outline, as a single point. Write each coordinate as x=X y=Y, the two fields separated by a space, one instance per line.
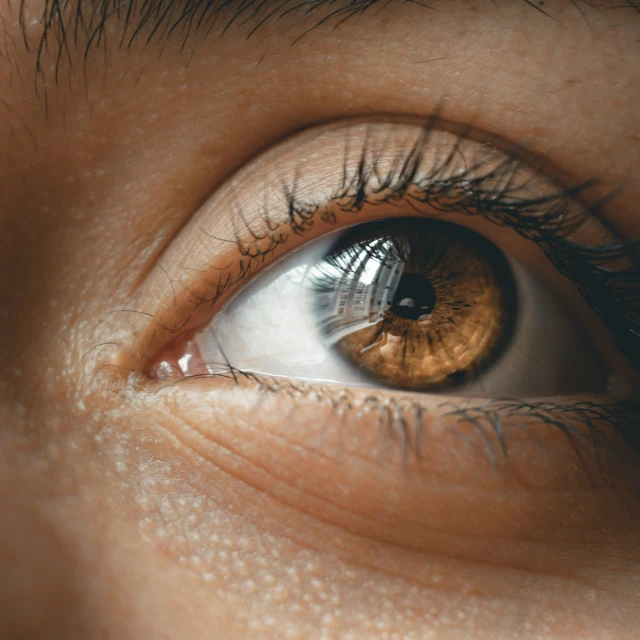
x=82 y=24
x=67 y=21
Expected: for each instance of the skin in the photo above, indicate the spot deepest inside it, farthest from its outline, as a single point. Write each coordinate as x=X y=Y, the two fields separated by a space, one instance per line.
x=190 y=513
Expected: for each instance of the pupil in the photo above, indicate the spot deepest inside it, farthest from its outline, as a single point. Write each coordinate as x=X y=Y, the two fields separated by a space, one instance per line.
x=414 y=297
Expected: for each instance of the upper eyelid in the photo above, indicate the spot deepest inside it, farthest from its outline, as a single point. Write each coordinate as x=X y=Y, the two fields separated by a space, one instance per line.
x=525 y=155
x=592 y=427
x=569 y=183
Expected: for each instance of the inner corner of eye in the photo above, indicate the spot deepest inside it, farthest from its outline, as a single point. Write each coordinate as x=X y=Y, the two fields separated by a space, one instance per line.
x=180 y=358
x=408 y=303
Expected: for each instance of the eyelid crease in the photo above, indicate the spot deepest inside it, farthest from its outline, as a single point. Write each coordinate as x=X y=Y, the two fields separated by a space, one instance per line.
x=551 y=219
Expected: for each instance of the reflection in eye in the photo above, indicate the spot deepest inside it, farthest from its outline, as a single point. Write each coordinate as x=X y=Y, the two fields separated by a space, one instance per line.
x=414 y=303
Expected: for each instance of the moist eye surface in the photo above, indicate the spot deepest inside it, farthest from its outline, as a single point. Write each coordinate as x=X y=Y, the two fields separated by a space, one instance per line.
x=418 y=304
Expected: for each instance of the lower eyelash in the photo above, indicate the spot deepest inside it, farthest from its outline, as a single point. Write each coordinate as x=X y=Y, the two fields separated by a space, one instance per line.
x=583 y=423
x=587 y=425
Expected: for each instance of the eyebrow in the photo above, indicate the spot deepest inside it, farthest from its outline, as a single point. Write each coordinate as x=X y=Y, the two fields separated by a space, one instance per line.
x=66 y=22
x=66 y=26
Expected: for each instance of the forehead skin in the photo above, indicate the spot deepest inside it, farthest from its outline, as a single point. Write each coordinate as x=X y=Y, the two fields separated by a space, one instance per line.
x=108 y=144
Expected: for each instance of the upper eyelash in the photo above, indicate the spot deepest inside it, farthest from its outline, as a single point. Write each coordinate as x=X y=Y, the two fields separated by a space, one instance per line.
x=613 y=293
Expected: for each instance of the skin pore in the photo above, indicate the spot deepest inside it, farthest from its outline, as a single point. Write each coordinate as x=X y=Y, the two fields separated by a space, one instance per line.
x=212 y=509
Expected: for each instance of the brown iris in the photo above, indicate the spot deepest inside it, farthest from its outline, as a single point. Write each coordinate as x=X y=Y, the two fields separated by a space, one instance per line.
x=419 y=304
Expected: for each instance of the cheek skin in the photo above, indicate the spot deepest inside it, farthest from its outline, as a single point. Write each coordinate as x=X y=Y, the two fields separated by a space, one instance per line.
x=76 y=560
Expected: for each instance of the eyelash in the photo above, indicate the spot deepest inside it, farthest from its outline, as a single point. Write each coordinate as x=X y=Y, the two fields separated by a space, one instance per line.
x=612 y=293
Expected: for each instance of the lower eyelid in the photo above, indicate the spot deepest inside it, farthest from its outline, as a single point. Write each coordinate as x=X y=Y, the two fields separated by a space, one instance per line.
x=555 y=443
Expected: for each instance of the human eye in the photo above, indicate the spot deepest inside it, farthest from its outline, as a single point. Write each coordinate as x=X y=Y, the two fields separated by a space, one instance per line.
x=349 y=265
x=320 y=320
